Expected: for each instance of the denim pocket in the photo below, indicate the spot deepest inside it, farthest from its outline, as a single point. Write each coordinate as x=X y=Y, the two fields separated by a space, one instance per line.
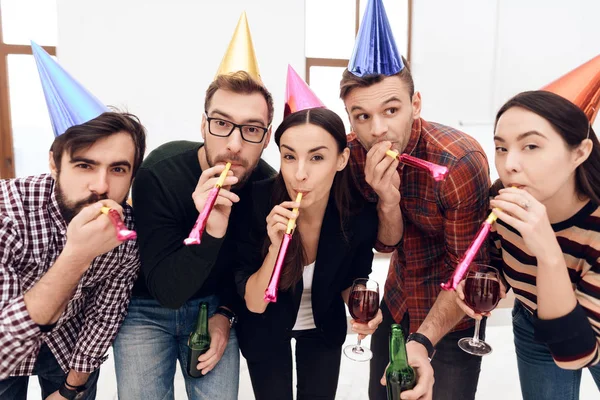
x=517 y=312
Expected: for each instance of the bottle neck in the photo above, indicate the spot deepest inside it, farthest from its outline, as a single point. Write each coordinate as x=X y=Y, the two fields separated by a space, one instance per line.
x=398 y=357
x=202 y=323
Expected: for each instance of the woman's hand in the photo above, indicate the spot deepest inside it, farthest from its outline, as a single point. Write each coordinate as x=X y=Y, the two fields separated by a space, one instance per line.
x=278 y=219
x=519 y=209
x=367 y=329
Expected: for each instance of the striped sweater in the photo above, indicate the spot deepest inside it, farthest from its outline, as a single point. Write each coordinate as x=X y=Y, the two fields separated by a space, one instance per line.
x=574 y=339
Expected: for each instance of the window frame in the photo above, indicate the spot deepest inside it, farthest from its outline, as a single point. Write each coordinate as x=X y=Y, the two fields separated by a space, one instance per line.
x=337 y=62
x=7 y=156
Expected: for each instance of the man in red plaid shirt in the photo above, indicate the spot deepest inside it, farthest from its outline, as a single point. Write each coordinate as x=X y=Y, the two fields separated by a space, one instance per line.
x=428 y=225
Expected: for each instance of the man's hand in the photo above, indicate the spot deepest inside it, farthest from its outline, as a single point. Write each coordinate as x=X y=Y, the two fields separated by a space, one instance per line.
x=381 y=173
x=55 y=396
x=216 y=225
x=418 y=359
x=91 y=233
x=218 y=328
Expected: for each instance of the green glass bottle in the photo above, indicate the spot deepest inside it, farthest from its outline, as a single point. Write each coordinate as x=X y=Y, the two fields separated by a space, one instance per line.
x=399 y=375
x=199 y=342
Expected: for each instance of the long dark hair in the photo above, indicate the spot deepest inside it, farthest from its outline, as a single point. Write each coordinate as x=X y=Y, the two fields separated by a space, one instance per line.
x=344 y=193
x=572 y=125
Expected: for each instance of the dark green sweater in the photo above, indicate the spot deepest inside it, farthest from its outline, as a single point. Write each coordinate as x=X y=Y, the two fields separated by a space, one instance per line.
x=173 y=273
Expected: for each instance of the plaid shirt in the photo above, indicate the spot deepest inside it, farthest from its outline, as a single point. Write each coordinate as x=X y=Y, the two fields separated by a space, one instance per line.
x=32 y=236
x=440 y=218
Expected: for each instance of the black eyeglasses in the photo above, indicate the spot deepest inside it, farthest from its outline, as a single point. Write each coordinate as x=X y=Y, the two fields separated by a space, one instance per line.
x=223 y=128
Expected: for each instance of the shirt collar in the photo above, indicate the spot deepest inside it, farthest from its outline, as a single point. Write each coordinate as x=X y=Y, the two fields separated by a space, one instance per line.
x=415 y=134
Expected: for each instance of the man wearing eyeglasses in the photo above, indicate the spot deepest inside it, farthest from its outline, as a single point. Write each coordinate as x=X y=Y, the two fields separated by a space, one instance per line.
x=169 y=192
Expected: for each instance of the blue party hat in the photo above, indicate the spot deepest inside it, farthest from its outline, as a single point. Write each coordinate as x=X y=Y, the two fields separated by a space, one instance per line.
x=375 y=50
x=68 y=102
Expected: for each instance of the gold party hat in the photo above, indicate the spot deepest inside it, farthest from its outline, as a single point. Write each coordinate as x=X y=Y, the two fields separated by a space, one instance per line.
x=240 y=53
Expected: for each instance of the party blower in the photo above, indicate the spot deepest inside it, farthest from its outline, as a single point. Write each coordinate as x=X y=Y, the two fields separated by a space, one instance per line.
x=122 y=232
x=438 y=172
x=271 y=292
x=463 y=265
x=198 y=229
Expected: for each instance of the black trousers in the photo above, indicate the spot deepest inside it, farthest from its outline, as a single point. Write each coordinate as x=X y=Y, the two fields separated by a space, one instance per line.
x=456 y=372
x=317 y=367
x=50 y=376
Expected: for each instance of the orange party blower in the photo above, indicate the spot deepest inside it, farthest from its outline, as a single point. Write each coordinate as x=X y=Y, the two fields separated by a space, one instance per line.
x=122 y=232
x=271 y=292
x=438 y=172
x=196 y=232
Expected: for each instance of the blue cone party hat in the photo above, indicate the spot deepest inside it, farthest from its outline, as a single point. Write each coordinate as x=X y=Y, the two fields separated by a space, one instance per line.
x=68 y=102
x=375 y=50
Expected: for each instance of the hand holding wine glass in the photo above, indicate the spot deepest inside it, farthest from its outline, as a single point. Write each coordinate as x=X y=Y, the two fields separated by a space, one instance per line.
x=460 y=300
x=481 y=293
x=363 y=304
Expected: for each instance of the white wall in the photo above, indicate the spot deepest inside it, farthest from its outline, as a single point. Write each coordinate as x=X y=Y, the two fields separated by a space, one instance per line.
x=470 y=56
x=157 y=57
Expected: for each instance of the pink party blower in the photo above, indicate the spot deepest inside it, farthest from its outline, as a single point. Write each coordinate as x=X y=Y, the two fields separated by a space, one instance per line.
x=271 y=291
x=463 y=265
x=196 y=232
x=122 y=232
x=438 y=172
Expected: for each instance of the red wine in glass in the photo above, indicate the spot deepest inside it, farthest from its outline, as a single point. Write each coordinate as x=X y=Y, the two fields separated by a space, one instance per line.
x=482 y=294
x=363 y=304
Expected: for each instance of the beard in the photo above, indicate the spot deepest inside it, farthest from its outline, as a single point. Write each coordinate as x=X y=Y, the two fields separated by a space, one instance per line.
x=69 y=209
x=249 y=168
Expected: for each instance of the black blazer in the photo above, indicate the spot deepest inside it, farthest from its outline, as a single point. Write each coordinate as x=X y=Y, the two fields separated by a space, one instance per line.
x=339 y=261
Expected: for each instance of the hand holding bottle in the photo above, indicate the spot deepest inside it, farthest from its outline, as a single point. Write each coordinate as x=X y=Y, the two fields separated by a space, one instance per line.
x=218 y=328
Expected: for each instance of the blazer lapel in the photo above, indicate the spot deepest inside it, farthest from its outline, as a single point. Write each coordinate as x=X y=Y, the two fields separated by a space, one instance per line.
x=330 y=253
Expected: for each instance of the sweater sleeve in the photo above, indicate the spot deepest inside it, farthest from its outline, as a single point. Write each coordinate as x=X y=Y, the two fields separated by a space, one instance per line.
x=576 y=347
x=173 y=272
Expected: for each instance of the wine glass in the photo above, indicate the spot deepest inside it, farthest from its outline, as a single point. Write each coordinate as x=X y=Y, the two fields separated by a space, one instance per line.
x=363 y=304
x=482 y=294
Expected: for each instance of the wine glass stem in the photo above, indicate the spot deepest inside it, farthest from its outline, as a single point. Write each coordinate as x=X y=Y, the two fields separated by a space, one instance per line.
x=476 y=334
x=358 y=343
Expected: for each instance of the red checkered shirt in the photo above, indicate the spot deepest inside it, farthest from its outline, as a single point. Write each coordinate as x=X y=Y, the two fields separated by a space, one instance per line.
x=32 y=236
x=440 y=218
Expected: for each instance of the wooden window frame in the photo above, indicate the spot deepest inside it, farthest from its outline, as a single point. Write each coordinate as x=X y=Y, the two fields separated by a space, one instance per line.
x=7 y=164
x=336 y=62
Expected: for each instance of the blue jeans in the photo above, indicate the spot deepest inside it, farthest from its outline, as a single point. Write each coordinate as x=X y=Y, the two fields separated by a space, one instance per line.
x=541 y=378
x=152 y=339
x=50 y=377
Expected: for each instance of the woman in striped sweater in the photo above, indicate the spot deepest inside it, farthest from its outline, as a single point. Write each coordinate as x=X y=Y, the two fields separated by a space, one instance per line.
x=547 y=240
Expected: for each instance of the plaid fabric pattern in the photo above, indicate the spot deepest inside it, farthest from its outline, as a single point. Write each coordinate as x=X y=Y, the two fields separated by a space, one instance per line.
x=32 y=236
x=440 y=218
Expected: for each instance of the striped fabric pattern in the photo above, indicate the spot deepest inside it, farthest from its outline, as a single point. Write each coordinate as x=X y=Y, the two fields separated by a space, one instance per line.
x=570 y=340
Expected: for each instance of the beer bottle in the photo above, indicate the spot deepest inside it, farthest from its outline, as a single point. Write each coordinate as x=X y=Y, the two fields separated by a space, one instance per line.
x=199 y=342
x=399 y=375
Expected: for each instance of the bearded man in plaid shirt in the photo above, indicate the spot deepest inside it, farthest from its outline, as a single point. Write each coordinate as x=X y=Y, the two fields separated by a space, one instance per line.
x=427 y=225
x=65 y=279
